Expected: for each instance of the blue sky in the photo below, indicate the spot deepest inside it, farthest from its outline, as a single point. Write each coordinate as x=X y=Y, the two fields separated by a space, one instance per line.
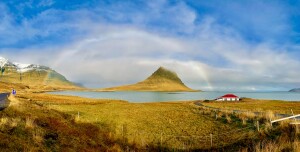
x=212 y=45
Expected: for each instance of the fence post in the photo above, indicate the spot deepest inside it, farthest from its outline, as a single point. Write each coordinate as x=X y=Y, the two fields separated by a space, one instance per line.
x=297 y=128
x=78 y=115
x=257 y=125
x=161 y=139
x=211 y=140
x=293 y=115
x=122 y=129
x=271 y=122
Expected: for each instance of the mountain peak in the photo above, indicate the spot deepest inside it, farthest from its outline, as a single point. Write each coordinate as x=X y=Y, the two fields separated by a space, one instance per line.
x=21 y=67
x=2 y=58
x=162 y=68
x=32 y=75
x=163 y=73
x=3 y=61
x=161 y=80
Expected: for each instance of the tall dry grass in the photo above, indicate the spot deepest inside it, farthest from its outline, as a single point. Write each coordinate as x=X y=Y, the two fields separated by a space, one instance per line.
x=273 y=146
x=29 y=123
x=6 y=122
x=180 y=125
x=269 y=115
x=28 y=126
x=280 y=136
x=38 y=135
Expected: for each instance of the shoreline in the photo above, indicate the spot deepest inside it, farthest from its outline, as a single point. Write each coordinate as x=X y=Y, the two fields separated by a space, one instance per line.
x=168 y=96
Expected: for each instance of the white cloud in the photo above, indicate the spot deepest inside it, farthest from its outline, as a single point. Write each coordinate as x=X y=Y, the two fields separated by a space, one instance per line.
x=121 y=55
x=215 y=57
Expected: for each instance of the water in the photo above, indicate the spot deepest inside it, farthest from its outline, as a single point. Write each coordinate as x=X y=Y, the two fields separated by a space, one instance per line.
x=178 y=96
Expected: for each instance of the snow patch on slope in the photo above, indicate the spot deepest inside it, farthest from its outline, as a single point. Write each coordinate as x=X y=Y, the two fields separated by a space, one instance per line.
x=20 y=67
x=3 y=61
x=23 y=67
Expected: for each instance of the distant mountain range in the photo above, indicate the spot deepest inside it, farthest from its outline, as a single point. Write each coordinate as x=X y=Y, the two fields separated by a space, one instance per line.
x=32 y=75
x=161 y=80
x=295 y=90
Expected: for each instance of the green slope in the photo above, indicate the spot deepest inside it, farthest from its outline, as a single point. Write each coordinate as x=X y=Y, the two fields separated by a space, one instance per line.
x=161 y=80
x=44 y=77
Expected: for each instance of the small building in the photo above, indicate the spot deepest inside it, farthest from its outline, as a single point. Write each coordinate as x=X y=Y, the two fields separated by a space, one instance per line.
x=228 y=97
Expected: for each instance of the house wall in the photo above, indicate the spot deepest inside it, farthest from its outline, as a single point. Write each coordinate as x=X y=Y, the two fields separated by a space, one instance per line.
x=228 y=99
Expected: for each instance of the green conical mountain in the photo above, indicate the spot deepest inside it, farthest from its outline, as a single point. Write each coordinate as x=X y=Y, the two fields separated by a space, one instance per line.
x=161 y=80
x=164 y=74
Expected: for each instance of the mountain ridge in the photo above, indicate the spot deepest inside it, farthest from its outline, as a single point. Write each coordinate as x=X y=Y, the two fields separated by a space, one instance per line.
x=161 y=80
x=295 y=90
x=33 y=75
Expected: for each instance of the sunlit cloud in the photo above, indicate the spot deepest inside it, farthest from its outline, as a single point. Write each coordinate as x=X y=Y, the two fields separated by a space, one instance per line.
x=103 y=46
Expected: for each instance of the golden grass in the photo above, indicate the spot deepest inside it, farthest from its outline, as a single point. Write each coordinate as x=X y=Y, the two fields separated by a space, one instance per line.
x=174 y=125
x=278 y=146
x=3 y=121
x=7 y=87
x=62 y=99
x=258 y=106
x=6 y=122
x=26 y=125
x=38 y=135
x=115 y=125
x=29 y=123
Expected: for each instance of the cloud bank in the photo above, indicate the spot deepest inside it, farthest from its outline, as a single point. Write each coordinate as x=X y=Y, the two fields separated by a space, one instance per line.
x=117 y=43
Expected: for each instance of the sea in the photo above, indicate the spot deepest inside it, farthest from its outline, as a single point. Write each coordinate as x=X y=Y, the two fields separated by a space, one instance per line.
x=142 y=97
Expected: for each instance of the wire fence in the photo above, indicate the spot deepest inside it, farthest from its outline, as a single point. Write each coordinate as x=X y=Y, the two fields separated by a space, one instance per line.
x=181 y=141
x=207 y=140
x=186 y=142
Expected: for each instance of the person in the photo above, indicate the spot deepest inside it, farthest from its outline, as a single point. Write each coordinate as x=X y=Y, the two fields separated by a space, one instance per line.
x=14 y=92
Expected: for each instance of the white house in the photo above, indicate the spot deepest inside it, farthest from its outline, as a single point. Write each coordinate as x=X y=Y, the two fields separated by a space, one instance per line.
x=228 y=97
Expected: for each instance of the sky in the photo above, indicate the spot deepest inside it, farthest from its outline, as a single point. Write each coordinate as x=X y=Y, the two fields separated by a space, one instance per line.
x=250 y=45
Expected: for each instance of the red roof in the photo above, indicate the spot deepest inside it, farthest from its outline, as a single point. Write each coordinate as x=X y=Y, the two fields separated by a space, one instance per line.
x=229 y=96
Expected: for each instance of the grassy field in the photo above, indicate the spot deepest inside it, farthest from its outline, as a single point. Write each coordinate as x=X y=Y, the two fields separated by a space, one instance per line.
x=173 y=125
x=44 y=122
x=28 y=126
x=258 y=106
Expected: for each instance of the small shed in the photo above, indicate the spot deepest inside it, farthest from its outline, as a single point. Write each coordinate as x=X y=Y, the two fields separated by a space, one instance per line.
x=228 y=97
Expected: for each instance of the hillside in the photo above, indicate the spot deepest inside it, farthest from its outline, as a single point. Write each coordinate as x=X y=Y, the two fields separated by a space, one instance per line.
x=161 y=80
x=33 y=76
x=295 y=90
